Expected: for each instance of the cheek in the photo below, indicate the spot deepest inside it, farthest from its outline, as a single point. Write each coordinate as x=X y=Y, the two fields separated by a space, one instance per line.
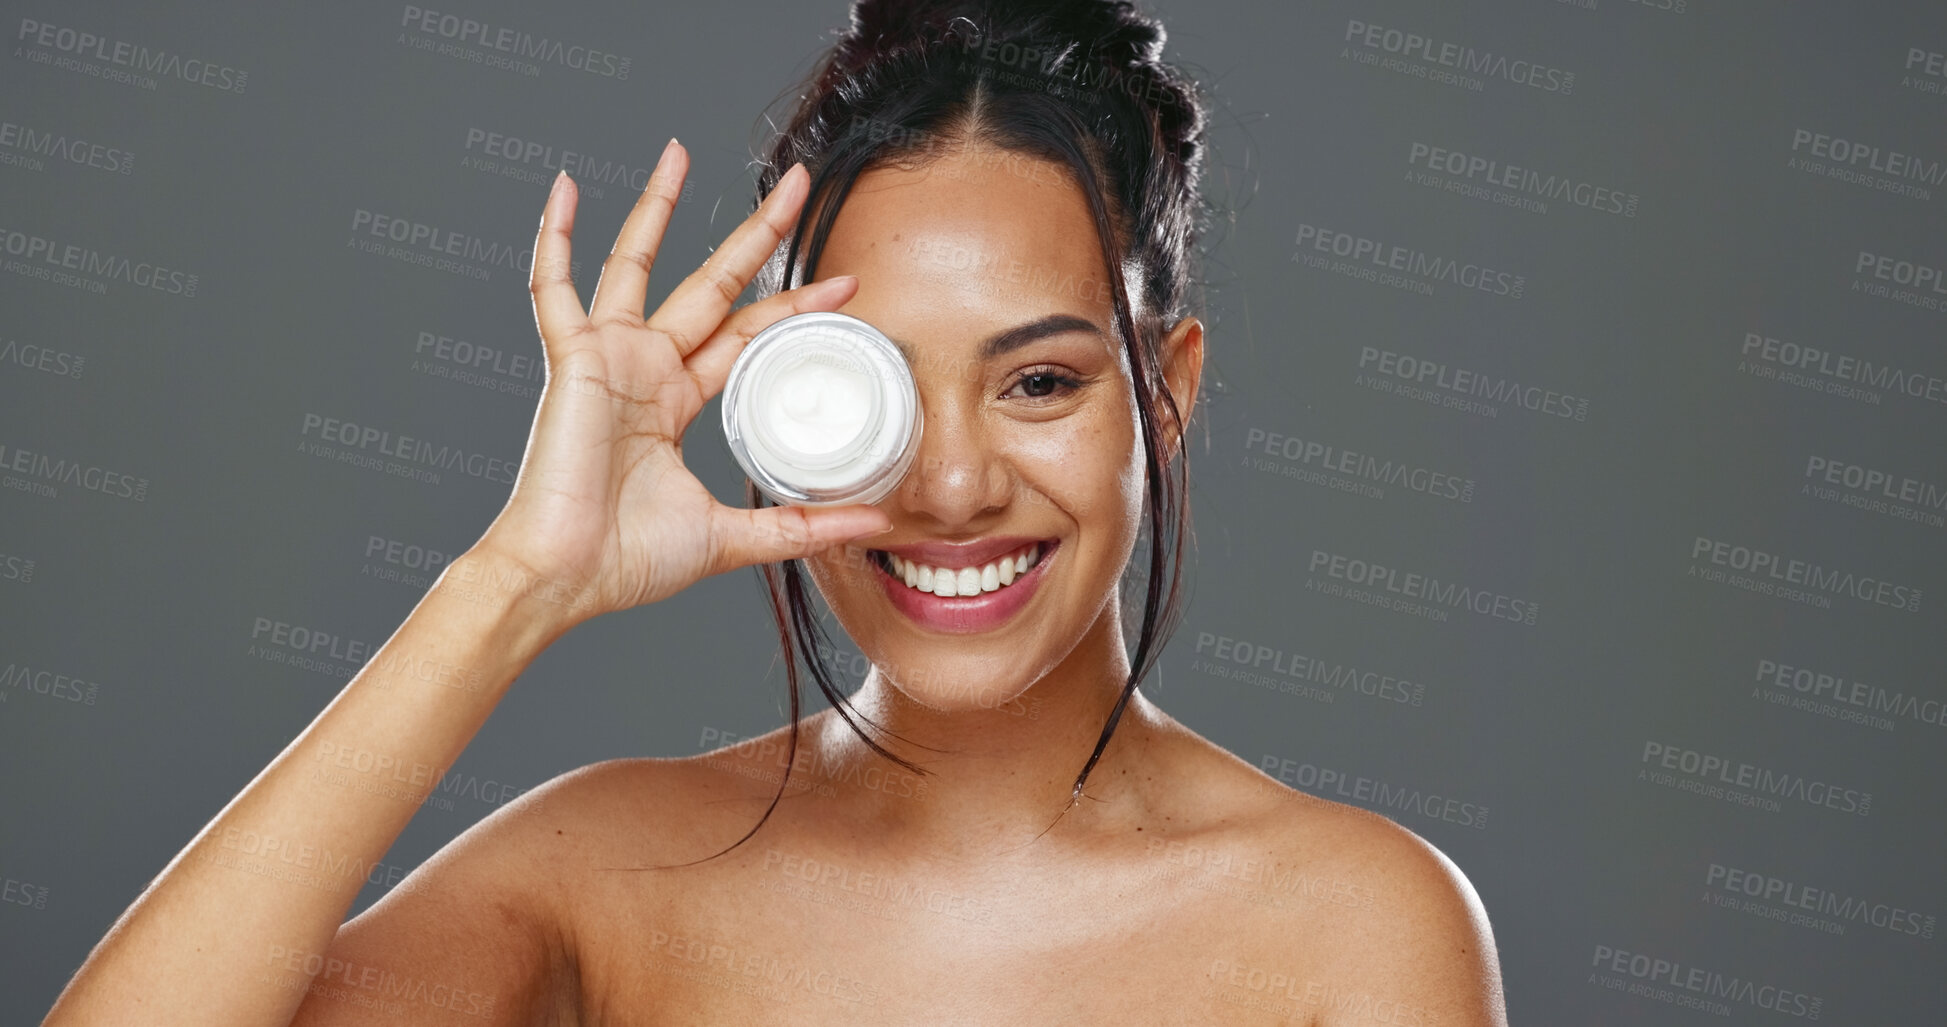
x=841 y=572
x=1088 y=465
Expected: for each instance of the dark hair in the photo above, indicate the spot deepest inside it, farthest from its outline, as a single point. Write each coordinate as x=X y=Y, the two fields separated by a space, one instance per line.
x=1080 y=84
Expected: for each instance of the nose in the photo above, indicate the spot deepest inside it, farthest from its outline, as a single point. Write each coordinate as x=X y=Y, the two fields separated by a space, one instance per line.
x=957 y=476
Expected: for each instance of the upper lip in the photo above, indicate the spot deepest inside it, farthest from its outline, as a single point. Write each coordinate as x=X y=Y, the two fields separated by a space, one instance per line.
x=973 y=553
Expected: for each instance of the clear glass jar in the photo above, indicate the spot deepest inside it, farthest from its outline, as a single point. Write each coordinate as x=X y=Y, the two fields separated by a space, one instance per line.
x=821 y=410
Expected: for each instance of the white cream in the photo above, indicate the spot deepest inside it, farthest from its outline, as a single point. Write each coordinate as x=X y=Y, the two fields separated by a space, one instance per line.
x=820 y=409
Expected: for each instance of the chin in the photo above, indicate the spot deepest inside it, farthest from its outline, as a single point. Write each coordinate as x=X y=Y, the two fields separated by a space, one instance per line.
x=960 y=686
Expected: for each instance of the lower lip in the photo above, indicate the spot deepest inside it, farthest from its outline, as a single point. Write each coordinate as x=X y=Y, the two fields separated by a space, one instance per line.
x=965 y=615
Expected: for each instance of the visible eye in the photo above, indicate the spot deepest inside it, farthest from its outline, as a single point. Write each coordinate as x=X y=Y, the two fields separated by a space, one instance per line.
x=1045 y=383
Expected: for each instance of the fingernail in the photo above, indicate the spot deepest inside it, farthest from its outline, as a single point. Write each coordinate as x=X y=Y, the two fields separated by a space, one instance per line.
x=668 y=148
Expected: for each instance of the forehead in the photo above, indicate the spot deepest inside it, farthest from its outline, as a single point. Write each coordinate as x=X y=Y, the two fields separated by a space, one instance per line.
x=979 y=236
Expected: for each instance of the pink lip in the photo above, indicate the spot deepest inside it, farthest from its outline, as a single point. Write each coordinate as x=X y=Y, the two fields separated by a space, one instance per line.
x=965 y=615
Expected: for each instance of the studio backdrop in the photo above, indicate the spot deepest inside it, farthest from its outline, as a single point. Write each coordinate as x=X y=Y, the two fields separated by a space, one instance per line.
x=1568 y=483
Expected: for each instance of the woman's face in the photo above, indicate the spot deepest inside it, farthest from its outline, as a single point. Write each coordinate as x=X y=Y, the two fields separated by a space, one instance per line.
x=985 y=267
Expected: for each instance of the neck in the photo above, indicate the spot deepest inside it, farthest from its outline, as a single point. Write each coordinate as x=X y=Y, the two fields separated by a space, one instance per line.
x=998 y=777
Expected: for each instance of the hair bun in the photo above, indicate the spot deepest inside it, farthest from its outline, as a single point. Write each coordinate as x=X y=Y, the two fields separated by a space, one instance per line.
x=1111 y=32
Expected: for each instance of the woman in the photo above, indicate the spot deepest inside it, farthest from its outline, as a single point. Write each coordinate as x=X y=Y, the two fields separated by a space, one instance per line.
x=998 y=827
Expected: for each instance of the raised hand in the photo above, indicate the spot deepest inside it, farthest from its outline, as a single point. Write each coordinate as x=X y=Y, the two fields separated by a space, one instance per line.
x=603 y=503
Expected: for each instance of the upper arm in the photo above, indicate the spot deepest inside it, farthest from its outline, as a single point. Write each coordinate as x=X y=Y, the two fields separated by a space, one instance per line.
x=476 y=935
x=1426 y=948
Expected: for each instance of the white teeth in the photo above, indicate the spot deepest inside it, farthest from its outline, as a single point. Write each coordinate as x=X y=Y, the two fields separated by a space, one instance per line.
x=965 y=581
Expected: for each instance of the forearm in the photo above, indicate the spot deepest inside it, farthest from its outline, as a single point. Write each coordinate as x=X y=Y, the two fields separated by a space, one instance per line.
x=275 y=872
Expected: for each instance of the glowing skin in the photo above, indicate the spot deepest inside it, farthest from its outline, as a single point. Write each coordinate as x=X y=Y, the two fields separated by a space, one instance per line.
x=1001 y=456
x=1155 y=900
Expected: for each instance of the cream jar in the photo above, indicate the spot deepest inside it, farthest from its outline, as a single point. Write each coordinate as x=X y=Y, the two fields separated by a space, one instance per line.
x=821 y=410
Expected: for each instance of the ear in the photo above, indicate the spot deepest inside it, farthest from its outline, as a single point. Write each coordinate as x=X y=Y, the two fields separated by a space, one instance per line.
x=1183 y=369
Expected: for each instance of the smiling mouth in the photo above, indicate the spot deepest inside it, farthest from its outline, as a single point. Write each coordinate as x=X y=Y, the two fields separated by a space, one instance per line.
x=952 y=582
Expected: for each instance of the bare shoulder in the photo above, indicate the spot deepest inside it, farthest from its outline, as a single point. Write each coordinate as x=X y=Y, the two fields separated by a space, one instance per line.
x=1419 y=946
x=484 y=929
x=1382 y=922
x=634 y=809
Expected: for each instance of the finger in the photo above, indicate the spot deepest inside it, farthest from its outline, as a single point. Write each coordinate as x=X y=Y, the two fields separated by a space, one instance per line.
x=621 y=291
x=698 y=305
x=557 y=308
x=710 y=363
x=740 y=538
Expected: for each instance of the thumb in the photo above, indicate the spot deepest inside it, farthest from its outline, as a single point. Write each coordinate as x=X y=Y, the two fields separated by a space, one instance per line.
x=742 y=537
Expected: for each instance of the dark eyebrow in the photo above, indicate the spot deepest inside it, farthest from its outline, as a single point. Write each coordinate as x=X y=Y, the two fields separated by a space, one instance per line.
x=1003 y=343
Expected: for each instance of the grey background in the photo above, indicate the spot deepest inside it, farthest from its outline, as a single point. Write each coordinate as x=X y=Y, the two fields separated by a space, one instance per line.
x=153 y=601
